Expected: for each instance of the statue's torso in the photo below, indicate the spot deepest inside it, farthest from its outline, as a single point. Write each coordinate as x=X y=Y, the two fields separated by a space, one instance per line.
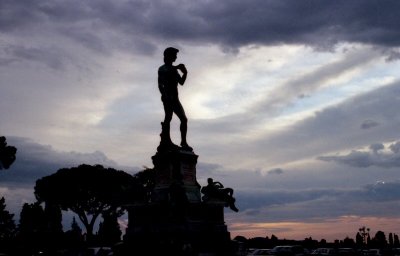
x=169 y=78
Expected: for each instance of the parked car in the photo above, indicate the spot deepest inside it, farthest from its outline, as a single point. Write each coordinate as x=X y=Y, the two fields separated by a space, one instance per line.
x=288 y=250
x=324 y=252
x=396 y=251
x=375 y=252
x=250 y=250
x=99 y=251
x=260 y=252
x=347 y=252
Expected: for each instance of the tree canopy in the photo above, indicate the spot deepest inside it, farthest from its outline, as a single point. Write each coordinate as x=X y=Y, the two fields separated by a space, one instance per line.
x=32 y=219
x=7 y=154
x=7 y=225
x=147 y=180
x=89 y=191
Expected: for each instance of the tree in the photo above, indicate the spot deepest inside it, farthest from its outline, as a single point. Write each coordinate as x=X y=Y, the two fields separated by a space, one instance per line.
x=7 y=154
x=147 y=180
x=364 y=232
x=109 y=230
x=89 y=191
x=32 y=219
x=379 y=239
x=359 y=240
x=396 y=242
x=348 y=242
x=240 y=239
x=310 y=243
x=75 y=227
x=274 y=239
x=391 y=242
x=73 y=237
x=40 y=227
x=7 y=224
x=53 y=217
x=32 y=226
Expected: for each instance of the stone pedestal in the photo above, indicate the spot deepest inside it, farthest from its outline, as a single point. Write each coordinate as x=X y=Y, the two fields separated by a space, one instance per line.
x=176 y=219
x=176 y=168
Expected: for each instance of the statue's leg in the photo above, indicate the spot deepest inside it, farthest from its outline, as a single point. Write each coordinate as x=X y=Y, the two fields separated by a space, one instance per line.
x=183 y=128
x=180 y=112
x=229 y=191
x=231 y=202
x=233 y=207
x=165 y=133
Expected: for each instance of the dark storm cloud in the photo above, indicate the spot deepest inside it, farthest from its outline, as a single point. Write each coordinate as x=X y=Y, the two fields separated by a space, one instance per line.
x=383 y=191
x=87 y=38
x=35 y=161
x=17 y=14
x=232 y=24
x=367 y=124
x=275 y=171
x=50 y=57
x=317 y=23
x=374 y=157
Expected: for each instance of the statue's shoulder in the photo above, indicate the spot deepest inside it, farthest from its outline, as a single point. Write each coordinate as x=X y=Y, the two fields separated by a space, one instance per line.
x=163 y=68
x=166 y=69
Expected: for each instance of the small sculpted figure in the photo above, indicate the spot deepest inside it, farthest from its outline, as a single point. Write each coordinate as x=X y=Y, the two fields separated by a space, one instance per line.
x=215 y=189
x=168 y=80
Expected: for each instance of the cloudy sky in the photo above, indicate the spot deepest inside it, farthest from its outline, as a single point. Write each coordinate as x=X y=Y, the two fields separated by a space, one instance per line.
x=294 y=104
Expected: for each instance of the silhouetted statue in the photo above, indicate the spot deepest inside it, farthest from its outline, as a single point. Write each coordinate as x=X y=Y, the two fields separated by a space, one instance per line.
x=215 y=189
x=168 y=79
x=7 y=154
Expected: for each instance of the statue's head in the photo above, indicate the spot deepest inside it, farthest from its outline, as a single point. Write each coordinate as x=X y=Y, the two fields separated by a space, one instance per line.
x=170 y=54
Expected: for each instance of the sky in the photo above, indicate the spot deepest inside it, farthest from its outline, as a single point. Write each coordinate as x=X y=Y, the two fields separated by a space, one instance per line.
x=294 y=104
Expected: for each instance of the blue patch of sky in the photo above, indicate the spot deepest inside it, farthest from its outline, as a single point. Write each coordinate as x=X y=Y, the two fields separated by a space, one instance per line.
x=330 y=96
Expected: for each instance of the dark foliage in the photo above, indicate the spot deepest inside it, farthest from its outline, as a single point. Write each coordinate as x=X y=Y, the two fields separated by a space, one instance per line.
x=147 y=180
x=32 y=229
x=53 y=218
x=73 y=237
x=32 y=219
x=379 y=240
x=7 y=224
x=7 y=154
x=109 y=230
x=89 y=191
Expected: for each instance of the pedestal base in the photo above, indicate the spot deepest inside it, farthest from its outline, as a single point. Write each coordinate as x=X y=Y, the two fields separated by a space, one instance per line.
x=156 y=229
x=175 y=168
x=175 y=221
